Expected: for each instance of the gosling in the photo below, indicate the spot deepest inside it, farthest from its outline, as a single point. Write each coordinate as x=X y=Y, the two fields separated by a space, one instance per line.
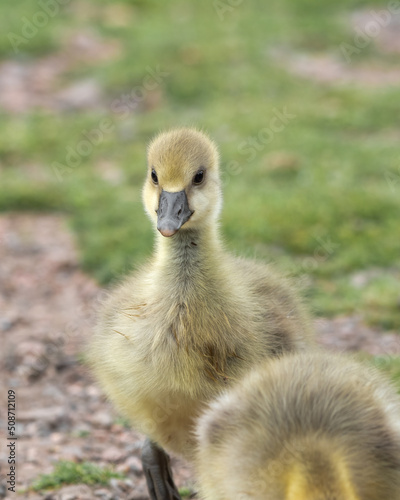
x=310 y=426
x=194 y=319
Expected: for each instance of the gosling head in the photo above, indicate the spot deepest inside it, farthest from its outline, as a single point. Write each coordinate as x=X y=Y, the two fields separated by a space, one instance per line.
x=182 y=188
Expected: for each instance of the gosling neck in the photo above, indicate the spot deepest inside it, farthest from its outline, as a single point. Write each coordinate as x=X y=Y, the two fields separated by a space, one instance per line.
x=188 y=249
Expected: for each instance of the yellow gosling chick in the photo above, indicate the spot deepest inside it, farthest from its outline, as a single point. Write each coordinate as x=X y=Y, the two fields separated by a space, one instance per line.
x=308 y=426
x=194 y=319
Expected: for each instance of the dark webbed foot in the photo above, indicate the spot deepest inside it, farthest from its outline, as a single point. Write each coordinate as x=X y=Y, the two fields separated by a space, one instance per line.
x=158 y=473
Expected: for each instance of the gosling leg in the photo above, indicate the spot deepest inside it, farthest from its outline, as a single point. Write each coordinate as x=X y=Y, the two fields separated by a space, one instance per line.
x=158 y=473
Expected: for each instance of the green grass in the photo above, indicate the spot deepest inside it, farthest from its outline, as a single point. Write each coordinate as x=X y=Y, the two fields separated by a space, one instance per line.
x=322 y=198
x=389 y=365
x=66 y=472
x=185 y=492
x=123 y=421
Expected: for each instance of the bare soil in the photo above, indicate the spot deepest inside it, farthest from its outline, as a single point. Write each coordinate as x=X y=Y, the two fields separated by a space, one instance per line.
x=43 y=84
x=371 y=28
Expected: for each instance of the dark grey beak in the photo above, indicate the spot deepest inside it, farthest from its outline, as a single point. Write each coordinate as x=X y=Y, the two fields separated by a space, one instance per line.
x=173 y=211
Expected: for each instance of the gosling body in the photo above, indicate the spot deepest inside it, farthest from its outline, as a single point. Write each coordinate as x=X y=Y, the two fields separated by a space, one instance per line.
x=310 y=426
x=194 y=319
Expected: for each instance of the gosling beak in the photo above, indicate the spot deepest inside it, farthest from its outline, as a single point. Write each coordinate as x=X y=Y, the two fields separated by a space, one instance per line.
x=173 y=211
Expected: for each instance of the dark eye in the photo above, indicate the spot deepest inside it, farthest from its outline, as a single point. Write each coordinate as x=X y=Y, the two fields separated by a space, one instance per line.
x=199 y=177
x=154 y=176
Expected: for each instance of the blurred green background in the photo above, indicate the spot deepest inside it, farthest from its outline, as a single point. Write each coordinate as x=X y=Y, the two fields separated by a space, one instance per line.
x=302 y=101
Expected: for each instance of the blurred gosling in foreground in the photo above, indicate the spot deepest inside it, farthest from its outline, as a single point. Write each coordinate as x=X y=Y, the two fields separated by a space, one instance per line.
x=312 y=426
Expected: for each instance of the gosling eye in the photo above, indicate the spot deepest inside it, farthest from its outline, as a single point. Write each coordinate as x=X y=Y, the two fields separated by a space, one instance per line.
x=199 y=177
x=154 y=177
